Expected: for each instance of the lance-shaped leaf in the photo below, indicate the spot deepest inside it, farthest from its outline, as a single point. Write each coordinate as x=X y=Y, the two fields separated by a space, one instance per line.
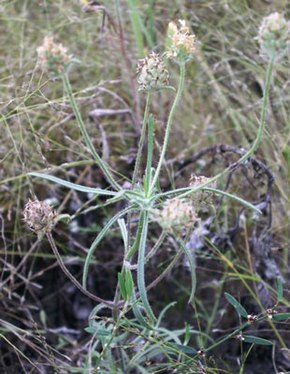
x=184 y=349
x=74 y=186
x=121 y=283
x=256 y=340
x=279 y=290
x=239 y=308
x=280 y=316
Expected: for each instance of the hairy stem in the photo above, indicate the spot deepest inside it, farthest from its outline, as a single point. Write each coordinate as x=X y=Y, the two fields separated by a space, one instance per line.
x=110 y=304
x=257 y=141
x=168 y=126
x=142 y=139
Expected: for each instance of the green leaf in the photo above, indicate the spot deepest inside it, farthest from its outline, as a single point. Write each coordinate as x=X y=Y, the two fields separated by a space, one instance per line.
x=185 y=191
x=186 y=333
x=129 y=283
x=233 y=197
x=124 y=232
x=239 y=308
x=74 y=186
x=279 y=289
x=286 y=153
x=256 y=340
x=121 y=283
x=91 y=330
x=138 y=314
x=184 y=349
x=280 y=316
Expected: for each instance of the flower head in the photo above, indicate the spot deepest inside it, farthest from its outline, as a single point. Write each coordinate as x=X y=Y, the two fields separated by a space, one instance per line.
x=274 y=36
x=181 y=43
x=153 y=74
x=176 y=215
x=53 y=57
x=39 y=216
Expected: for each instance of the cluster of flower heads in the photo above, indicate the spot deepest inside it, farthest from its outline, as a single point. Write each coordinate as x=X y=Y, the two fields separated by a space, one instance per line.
x=181 y=47
x=39 y=216
x=273 y=36
x=53 y=57
x=176 y=215
x=153 y=74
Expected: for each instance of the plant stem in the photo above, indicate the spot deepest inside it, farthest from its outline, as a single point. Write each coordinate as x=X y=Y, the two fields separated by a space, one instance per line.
x=258 y=139
x=99 y=161
x=142 y=139
x=262 y=114
x=168 y=126
x=141 y=267
x=110 y=304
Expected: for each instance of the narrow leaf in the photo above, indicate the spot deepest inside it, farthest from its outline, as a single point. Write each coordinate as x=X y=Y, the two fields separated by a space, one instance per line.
x=91 y=330
x=233 y=197
x=279 y=289
x=239 y=308
x=184 y=349
x=129 y=283
x=124 y=232
x=256 y=340
x=138 y=314
x=280 y=316
x=73 y=186
x=121 y=283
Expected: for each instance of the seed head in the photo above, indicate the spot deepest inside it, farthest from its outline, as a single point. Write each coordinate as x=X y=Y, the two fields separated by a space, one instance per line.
x=274 y=36
x=181 y=43
x=39 y=216
x=201 y=198
x=176 y=215
x=153 y=74
x=53 y=57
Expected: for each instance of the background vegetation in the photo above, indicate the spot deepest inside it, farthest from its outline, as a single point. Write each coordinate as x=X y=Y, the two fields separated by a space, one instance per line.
x=43 y=316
